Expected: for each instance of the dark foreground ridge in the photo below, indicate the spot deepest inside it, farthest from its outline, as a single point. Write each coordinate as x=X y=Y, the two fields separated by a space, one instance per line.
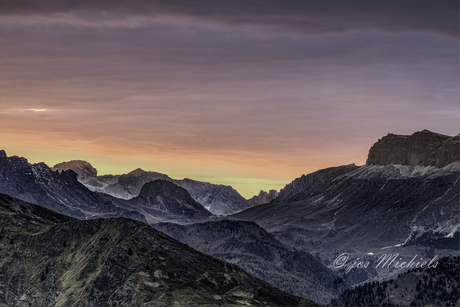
x=437 y=286
x=48 y=259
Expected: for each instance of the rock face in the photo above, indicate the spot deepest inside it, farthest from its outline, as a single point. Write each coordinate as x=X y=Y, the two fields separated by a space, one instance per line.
x=423 y=148
x=47 y=259
x=83 y=169
x=263 y=197
x=375 y=208
x=250 y=247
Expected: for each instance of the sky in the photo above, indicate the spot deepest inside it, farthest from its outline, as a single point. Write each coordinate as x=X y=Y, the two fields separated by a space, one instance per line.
x=246 y=93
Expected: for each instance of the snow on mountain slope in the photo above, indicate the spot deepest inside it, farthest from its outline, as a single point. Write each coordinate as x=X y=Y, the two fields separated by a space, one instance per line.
x=384 y=206
x=218 y=199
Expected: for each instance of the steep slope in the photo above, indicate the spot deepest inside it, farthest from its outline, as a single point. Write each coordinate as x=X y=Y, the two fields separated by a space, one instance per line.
x=258 y=252
x=62 y=192
x=47 y=259
x=163 y=200
x=129 y=185
x=374 y=208
x=434 y=286
x=218 y=199
x=59 y=191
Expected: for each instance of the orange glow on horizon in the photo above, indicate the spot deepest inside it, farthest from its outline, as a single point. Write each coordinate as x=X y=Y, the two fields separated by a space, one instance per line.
x=247 y=172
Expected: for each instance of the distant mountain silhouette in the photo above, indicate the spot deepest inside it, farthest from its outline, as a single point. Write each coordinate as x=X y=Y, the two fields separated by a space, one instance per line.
x=218 y=199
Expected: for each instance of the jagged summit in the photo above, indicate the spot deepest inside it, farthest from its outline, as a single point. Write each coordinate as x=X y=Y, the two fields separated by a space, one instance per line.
x=218 y=199
x=424 y=148
x=263 y=197
x=84 y=169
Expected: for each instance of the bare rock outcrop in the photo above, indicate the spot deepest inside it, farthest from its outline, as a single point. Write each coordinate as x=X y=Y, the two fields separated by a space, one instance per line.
x=424 y=148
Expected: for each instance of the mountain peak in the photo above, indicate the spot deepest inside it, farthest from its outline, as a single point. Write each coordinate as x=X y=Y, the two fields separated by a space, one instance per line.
x=3 y=154
x=263 y=197
x=160 y=185
x=425 y=148
x=137 y=172
x=82 y=168
x=168 y=198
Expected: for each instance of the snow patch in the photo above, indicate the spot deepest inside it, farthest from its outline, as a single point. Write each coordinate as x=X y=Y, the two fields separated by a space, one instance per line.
x=403 y=171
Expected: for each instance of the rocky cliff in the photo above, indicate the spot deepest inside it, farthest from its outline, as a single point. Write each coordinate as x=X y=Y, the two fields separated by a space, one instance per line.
x=83 y=169
x=424 y=148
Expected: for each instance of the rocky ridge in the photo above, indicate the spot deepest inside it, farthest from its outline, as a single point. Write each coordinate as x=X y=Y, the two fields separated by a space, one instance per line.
x=423 y=148
x=372 y=209
x=260 y=254
x=47 y=259
x=218 y=199
x=61 y=191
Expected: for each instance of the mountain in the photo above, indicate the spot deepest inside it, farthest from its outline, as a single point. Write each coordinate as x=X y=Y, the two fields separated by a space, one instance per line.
x=59 y=191
x=381 y=207
x=62 y=192
x=218 y=199
x=48 y=259
x=263 y=197
x=163 y=200
x=87 y=175
x=423 y=148
x=124 y=186
x=260 y=254
x=435 y=286
x=83 y=169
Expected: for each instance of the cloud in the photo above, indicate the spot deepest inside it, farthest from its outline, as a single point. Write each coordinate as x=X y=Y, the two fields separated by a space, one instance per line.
x=239 y=87
x=309 y=17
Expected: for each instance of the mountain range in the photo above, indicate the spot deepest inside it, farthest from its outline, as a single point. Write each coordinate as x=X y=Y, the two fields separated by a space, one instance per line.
x=403 y=201
x=260 y=254
x=48 y=259
x=61 y=191
x=218 y=199
x=383 y=206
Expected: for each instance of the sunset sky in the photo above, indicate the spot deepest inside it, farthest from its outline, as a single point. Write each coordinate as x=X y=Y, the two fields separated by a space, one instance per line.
x=247 y=93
